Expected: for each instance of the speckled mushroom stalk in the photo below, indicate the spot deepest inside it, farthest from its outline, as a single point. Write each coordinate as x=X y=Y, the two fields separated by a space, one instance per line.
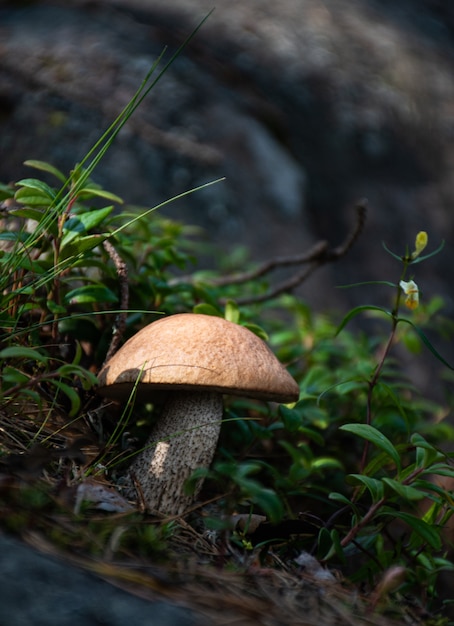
x=186 y=435
x=195 y=359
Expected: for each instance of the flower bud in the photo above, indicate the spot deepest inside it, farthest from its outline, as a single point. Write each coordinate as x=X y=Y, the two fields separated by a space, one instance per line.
x=420 y=243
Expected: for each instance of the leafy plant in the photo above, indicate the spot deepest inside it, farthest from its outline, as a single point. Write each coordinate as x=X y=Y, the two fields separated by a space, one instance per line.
x=359 y=454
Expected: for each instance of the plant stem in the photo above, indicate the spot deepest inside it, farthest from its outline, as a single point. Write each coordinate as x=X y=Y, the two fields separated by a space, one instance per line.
x=378 y=370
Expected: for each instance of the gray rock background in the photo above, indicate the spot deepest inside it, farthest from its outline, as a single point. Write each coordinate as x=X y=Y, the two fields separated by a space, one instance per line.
x=304 y=106
x=39 y=590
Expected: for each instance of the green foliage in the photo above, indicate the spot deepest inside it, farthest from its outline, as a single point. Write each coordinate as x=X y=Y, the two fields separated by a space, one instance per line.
x=360 y=452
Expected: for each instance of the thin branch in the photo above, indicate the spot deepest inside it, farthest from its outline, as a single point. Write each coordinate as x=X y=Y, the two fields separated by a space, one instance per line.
x=285 y=286
x=314 y=253
x=120 y=321
x=351 y=239
x=319 y=255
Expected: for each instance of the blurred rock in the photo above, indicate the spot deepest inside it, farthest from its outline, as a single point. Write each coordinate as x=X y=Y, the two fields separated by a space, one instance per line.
x=304 y=107
x=45 y=591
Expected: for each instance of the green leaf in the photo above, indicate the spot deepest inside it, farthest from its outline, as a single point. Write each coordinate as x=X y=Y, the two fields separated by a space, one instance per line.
x=19 y=352
x=426 y=341
x=325 y=463
x=367 y=282
x=427 y=256
x=356 y=311
x=232 y=312
x=12 y=235
x=29 y=214
x=292 y=419
x=331 y=544
x=207 y=309
x=37 y=185
x=441 y=469
x=32 y=198
x=46 y=167
x=90 y=293
x=71 y=394
x=396 y=256
x=257 y=330
x=70 y=369
x=6 y=192
x=79 y=245
x=14 y=376
x=374 y=436
x=428 y=533
x=339 y=497
x=270 y=503
x=374 y=486
x=55 y=308
x=404 y=491
x=426 y=454
x=89 y=192
x=84 y=222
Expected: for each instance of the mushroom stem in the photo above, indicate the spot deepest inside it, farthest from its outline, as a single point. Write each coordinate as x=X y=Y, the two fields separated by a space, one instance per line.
x=184 y=439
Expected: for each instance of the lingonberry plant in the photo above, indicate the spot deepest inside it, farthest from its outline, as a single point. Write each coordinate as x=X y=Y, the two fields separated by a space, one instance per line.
x=354 y=473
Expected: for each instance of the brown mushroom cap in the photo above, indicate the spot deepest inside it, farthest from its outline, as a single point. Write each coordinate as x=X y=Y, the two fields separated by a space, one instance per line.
x=197 y=352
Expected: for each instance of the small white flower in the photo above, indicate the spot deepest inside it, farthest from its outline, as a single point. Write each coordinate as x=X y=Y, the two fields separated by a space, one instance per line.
x=411 y=290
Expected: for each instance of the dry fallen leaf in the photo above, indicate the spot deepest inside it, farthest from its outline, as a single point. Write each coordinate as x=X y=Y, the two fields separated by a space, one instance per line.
x=100 y=495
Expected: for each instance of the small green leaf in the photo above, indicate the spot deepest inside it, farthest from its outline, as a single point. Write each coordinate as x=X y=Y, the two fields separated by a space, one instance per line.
x=207 y=309
x=79 y=245
x=325 y=463
x=14 y=376
x=18 y=236
x=339 y=497
x=90 y=293
x=90 y=192
x=404 y=491
x=428 y=533
x=426 y=454
x=37 y=185
x=426 y=341
x=46 y=167
x=331 y=544
x=441 y=469
x=19 y=352
x=292 y=419
x=29 y=214
x=395 y=256
x=84 y=222
x=71 y=369
x=356 y=311
x=324 y=543
x=55 y=308
x=32 y=198
x=6 y=192
x=257 y=330
x=270 y=503
x=367 y=282
x=427 y=256
x=232 y=312
x=374 y=436
x=71 y=394
x=374 y=486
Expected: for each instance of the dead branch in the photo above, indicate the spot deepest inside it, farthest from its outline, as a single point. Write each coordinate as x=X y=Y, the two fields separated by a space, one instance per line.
x=320 y=254
x=268 y=266
x=120 y=321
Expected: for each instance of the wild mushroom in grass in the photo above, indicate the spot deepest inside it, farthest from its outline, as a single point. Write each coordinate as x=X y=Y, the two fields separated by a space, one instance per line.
x=195 y=359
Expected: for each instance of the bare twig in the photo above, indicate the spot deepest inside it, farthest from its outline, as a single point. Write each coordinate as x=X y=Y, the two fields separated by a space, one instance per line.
x=320 y=254
x=120 y=320
x=268 y=266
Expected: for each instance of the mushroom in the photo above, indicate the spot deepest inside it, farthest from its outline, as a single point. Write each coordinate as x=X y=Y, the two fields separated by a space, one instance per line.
x=195 y=358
